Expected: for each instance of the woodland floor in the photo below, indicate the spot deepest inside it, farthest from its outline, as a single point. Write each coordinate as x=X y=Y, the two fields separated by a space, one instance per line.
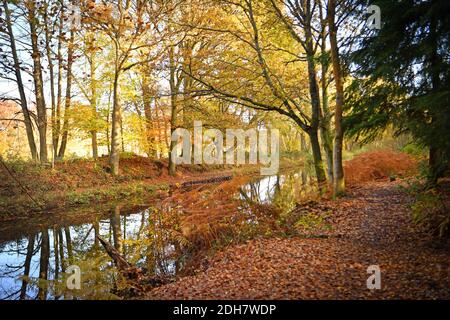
x=371 y=226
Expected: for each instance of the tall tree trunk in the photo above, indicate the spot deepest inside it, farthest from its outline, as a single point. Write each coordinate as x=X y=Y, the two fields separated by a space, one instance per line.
x=304 y=10
x=57 y=123
x=325 y=127
x=327 y=144
x=315 y=98
x=94 y=144
x=108 y=139
x=121 y=134
x=338 y=170
x=21 y=88
x=38 y=82
x=93 y=99
x=174 y=111
x=68 y=99
x=115 y=130
x=149 y=121
x=48 y=35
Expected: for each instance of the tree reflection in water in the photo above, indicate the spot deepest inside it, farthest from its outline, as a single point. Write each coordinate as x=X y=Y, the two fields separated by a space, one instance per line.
x=169 y=238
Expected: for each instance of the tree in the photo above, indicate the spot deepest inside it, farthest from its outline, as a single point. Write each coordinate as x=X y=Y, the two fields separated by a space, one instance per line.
x=304 y=23
x=48 y=33
x=402 y=77
x=326 y=114
x=56 y=113
x=259 y=68
x=128 y=25
x=94 y=74
x=174 y=83
x=181 y=43
x=338 y=170
x=33 y=21
x=19 y=81
x=68 y=97
x=148 y=96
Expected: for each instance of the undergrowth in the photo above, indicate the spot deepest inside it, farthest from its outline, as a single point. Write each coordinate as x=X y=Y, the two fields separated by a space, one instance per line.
x=431 y=207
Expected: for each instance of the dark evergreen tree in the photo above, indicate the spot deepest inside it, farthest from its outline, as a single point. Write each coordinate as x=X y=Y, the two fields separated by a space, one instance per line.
x=402 y=77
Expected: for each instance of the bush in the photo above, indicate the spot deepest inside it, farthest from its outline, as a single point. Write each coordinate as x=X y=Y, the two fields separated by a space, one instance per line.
x=430 y=209
x=414 y=150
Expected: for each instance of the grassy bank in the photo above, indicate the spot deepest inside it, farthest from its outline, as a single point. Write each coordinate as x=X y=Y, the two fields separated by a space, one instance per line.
x=29 y=188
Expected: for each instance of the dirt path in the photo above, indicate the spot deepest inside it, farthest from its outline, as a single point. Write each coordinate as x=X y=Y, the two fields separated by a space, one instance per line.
x=371 y=226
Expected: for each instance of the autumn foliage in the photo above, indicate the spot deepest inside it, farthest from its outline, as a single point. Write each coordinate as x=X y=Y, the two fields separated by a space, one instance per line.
x=378 y=164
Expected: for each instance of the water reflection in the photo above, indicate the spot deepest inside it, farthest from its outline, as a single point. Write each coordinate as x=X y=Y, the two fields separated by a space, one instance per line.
x=30 y=265
x=283 y=191
x=164 y=239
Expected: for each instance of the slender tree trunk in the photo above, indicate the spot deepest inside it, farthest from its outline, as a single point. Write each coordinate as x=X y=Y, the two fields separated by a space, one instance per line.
x=57 y=124
x=338 y=170
x=94 y=144
x=325 y=128
x=327 y=145
x=121 y=134
x=313 y=133
x=21 y=88
x=173 y=117
x=315 y=98
x=302 y=10
x=149 y=121
x=93 y=100
x=164 y=129
x=115 y=131
x=108 y=139
x=68 y=99
x=48 y=50
x=38 y=83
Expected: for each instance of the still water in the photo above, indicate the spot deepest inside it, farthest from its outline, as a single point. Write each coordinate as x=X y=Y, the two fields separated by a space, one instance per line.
x=168 y=236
